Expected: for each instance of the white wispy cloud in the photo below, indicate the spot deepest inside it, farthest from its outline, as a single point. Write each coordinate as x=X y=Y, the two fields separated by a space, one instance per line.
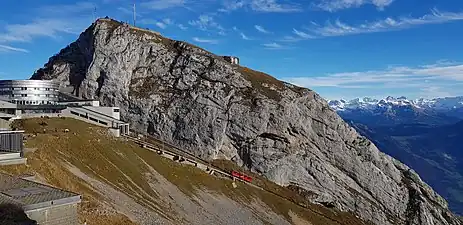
x=163 y=24
x=182 y=27
x=267 y=6
x=168 y=21
x=273 y=45
x=435 y=91
x=298 y=36
x=6 y=48
x=231 y=5
x=39 y=28
x=163 y=4
x=274 y=6
x=241 y=33
x=153 y=22
x=203 y=22
x=302 y=34
x=55 y=21
x=125 y=10
x=394 y=77
x=207 y=22
x=64 y=9
x=261 y=29
x=290 y=38
x=339 y=28
x=208 y=41
x=335 y=5
x=244 y=37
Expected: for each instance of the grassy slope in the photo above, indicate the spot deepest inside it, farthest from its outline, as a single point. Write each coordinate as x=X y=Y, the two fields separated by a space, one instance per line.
x=117 y=162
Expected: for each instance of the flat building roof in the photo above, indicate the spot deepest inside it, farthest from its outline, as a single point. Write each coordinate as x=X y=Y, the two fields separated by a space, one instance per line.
x=32 y=195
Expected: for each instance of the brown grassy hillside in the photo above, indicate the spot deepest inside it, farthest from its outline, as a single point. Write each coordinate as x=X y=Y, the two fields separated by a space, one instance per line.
x=88 y=161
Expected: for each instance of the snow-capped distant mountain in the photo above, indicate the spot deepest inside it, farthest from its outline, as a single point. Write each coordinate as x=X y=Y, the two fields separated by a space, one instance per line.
x=448 y=103
x=424 y=134
x=400 y=110
x=341 y=105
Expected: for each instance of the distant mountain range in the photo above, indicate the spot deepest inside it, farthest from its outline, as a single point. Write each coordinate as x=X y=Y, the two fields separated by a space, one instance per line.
x=394 y=111
x=425 y=134
x=440 y=104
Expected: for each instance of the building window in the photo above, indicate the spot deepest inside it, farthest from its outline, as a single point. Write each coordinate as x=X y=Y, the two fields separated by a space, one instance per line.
x=24 y=88
x=23 y=95
x=116 y=110
x=47 y=89
x=47 y=95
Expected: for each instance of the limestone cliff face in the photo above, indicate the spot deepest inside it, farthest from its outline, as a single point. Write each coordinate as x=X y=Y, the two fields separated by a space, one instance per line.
x=193 y=99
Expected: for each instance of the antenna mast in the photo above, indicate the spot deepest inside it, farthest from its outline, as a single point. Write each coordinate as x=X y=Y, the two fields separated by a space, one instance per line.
x=134 y=13
x=94 y=14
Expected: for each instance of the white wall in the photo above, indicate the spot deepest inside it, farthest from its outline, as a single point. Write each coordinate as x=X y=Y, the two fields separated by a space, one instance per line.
x=109 y=111
x=92 y=103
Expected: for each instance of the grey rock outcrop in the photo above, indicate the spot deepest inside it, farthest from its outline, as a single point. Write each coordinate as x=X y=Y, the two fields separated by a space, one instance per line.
x=196 y=100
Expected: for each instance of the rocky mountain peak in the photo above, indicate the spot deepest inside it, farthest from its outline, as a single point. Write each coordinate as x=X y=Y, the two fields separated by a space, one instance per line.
x=402 y=98
x=196 y=100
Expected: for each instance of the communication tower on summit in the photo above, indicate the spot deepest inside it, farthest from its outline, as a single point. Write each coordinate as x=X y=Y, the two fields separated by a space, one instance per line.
x=134 y=13
x=94 y=14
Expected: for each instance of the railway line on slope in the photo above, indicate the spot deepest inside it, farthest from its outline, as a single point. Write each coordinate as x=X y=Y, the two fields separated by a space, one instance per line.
x=176 y=154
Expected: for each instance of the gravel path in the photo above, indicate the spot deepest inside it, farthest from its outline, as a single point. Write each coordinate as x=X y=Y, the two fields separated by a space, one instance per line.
x=204 y=208
x=207 y=207
x=120 y=201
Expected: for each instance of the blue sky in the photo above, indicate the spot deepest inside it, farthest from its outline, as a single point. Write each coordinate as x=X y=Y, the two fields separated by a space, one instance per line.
x=339 y=48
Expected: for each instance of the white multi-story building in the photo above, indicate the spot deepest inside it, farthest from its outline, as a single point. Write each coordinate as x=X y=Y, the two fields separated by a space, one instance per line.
x=29 y=92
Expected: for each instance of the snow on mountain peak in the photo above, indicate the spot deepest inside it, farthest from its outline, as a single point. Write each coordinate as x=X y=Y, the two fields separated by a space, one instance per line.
x=389 y=101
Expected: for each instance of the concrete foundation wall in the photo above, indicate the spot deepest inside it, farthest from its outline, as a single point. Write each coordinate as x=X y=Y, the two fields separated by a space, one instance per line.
x=38 y=115
x=114 y=132
x=80 y=103
x=5 y=124
x=55 y=215
x=109 y=111
x=15 y=161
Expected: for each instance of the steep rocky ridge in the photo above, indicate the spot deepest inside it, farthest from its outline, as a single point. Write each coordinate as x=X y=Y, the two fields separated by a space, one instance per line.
x=194 y=99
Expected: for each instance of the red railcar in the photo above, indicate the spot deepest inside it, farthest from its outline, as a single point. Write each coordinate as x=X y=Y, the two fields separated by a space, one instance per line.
x=241 y=176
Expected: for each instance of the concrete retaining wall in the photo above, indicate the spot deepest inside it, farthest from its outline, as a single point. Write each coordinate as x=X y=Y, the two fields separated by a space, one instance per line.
x=5 y=124
x=38 y=115
x=55 y=215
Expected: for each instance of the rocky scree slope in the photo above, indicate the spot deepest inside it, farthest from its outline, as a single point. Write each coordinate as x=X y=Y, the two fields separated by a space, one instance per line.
x=195 y=100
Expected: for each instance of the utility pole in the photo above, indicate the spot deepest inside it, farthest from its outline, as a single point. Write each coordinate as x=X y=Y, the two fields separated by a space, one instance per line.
x=134 y=13
x=94 y=14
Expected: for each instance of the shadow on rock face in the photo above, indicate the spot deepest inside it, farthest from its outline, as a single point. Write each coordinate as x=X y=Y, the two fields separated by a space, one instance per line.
x=11 y=214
